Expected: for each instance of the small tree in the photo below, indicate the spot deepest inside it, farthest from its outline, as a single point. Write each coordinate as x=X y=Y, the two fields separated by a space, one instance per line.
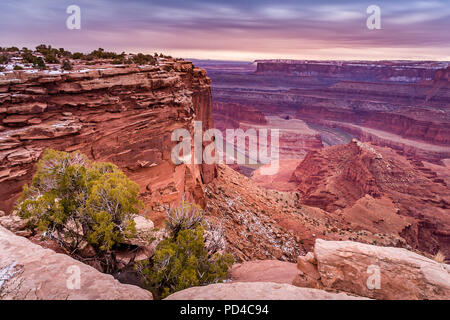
x=78 y=203
x=4 y=59
x=51 y=58
x=77 y=55
x=39 y=63
x=183 y=259
x=66 y=65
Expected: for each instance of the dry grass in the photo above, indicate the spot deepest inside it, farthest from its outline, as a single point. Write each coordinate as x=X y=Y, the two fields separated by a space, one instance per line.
x=439 y=257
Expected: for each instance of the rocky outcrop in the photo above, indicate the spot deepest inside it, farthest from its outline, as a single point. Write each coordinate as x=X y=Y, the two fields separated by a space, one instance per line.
x=405 y=197
x=29 y=271
x=409 y=148
x=122 y=114
x=256 y=291
x=372 y=271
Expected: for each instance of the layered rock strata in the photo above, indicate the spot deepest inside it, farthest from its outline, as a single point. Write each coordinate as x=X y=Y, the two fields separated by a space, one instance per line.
x=123 y=114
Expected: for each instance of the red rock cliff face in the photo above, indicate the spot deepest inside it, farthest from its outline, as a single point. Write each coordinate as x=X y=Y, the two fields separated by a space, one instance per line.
x=124 y=115
x=229 y=115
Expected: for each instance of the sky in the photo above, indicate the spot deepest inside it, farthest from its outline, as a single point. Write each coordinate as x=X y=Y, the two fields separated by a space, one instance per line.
x=236 y=29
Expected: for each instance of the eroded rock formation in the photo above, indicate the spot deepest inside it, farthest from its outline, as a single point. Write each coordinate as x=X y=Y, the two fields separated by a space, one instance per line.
x=374 y=188
x=124 y=115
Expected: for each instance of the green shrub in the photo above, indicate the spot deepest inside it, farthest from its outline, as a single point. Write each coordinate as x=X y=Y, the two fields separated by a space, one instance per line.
x=12 y=49
x=77 y=55
x=4 y=59
x=66 y=65
x=16 y=67
x=28 y=57
x=143 y=59
x=51 y=58
x=182 y=263
x=39 y=63
x=186 y=216
x=79 y=203
x=183 y=259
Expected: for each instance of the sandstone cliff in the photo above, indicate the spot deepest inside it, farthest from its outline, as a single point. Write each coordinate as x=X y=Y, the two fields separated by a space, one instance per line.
x=122 y=114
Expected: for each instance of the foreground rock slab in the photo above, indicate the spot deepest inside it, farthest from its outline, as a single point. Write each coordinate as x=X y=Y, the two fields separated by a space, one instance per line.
x=38 y=273
x=375 y=272
x=256 y=291
x=264 y=271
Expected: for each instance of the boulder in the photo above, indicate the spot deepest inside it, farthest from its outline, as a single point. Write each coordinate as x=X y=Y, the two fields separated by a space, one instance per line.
x=145 y=240
x=13 y=222
x=256 y=291
x=144 y=231
x=33 y=272
x=377 y=272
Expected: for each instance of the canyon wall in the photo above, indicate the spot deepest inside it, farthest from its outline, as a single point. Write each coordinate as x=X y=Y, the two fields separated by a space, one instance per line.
x=406 y=71
x=122 y=114
x=400 y=104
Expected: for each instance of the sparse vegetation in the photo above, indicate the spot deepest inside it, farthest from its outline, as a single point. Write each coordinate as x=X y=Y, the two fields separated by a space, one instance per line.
x=46 y=54
x=81 y=204
x=185 y=258
x=51 y=58
x=142 y=59
x=439 y=257
x=66 y=65
x=37 y=62
x=4 y=59
x=77 y=56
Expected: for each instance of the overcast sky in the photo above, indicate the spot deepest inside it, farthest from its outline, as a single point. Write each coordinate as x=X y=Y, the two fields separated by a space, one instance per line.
x=236 y=29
